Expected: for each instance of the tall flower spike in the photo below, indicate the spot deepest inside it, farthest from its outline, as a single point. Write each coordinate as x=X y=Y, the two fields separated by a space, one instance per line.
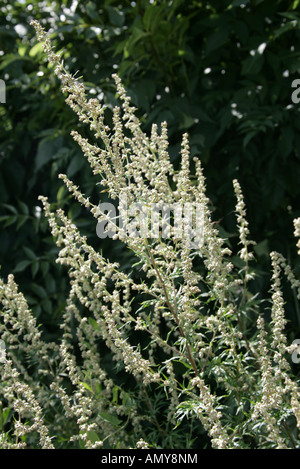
x=242 y=223
x=183 y=181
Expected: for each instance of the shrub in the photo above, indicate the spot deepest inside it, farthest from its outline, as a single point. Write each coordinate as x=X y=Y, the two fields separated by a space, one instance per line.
x=178 y=353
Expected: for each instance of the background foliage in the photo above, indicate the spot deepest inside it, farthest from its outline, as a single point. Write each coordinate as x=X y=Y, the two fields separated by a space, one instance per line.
x=220 y=70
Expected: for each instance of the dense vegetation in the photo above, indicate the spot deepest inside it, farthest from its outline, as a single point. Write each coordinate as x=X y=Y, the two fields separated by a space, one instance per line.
x=221 y=71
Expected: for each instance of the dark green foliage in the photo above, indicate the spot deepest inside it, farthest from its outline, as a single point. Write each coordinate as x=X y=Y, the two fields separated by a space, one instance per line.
x=197 y=65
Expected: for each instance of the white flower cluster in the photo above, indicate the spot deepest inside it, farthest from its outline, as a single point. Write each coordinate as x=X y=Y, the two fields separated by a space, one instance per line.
x=242 y=223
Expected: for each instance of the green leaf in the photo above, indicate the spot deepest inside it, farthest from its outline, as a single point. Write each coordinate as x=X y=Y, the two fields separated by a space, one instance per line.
x=186 y=122
x=152 y=17
x=11 y=220
x=10 y=59
x=61 y=193
x=262 y=248
x=203 y=116
x=115 y=421
x=94 y=324
x=48 y=149
x=238 y=3
x=217 y=39
x=11 y=208
x=22 y=50
x=36 y=49
x=238 y=262
x=47 y=306
x=93 y=436
x=34 y=268
x=21 y=221
x=21 y=266
x=86 y=386
x=75 y=165
x=44 y=154
x=115 y=394
x=40 y=291
x=116 y=16
x=29 y=253
x=45 y=267
x=23 y=207
x=92 y=12
x=286 y=142
x=248 y=137
x=136 y=36
x=252 y=65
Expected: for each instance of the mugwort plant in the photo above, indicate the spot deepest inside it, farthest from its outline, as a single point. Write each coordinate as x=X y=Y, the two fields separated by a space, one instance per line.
x=178 y=353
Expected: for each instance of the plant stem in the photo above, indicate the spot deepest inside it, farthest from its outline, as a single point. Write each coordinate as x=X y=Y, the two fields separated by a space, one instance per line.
x=174 y=311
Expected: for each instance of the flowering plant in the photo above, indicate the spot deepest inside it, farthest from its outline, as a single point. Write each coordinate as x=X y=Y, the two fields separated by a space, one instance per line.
x=175 y=354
